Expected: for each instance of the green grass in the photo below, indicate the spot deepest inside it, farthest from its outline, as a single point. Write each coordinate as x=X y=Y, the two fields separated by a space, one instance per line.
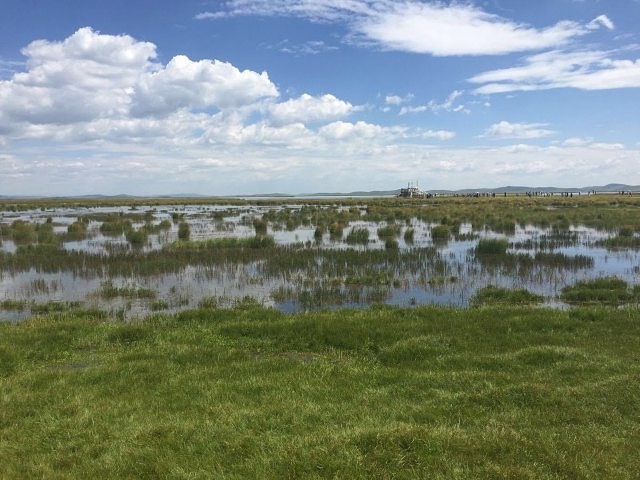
x=492 y=246
x=620 y=241
x=389 y=231
x=10 y=304
x=158 y=305
x=491 y=295
x=257 y=242
x=609 y=290
x=381 y=393
x=109 y=290
x=53 y=306
x=409 y=235
x=184 y=231
x=358 y=236
x=441 y=233
x=137 y=238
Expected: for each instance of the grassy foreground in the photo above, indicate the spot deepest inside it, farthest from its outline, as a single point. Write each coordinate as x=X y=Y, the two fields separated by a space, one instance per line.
x=494 y=392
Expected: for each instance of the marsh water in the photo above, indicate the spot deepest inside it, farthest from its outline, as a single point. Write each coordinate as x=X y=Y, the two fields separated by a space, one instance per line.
x=308 y=268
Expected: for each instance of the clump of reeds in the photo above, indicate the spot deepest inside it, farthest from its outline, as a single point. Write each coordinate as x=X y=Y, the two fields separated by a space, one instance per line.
x=260 y=226
x=358 y=236
x=137 y=238
x=115 y=226
x=608 y=290
x=109 y=290
x=492 y=246
x=22 y=232
x=184 y=231
x=389 y=231
x=10 y=304
x=336 y=230
x=256 y=242
x=441 y=233
x=391 y=244
x=209 y=303
x=491 y=295
x=159 y=305
x=409 y=235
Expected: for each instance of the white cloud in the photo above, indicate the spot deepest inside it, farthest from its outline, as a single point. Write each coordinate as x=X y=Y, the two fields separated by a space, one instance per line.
x=607 y=146
x=311 y=47
x=187 y=84
x=439 y=134
x=502 y=130
x=586 y=70
x=67 y=120
x=601 y=20
x=91 y=76
x=62 y=78
x=359 y=131
x=413 y=26
x=449 y=105
x=458 y=29
x=210 y=15
x=397 y=99
x=576 y=142
x=293 y=135
x=413 y=109
x=307 y=108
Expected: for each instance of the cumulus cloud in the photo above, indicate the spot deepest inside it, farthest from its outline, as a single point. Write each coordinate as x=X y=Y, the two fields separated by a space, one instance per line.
x=585 y=70
x=505 y=129
x=91 y=76
x=413 y=26
x=187 y=84
x=360 y=130
x=101 y=112
x=307 y=108
x=62 y=78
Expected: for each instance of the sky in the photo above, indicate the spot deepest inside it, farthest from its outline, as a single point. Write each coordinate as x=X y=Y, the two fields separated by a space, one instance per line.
x=149 y=97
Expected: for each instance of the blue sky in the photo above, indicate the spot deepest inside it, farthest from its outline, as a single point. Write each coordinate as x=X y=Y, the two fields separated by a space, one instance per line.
x=249 y=96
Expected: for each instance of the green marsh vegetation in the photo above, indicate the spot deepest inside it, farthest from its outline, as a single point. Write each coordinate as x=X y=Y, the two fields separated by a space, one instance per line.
x=358 y=236
x=491 y=295
x=546 y=244
x=427 y=392
x=137 y=238
x=609 y=290
x=409 y=235
x=492 y=246
x=509 y=390
x=109 y=290
x=441 y=233
x=184 y=231
x=10 y=304
x=389 y=231
x=626 y=238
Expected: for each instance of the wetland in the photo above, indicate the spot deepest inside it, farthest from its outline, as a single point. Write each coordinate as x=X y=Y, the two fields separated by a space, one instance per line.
x=136 y=256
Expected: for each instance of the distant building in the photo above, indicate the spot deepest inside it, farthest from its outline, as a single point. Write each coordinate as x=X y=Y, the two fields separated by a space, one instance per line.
x=412 y=191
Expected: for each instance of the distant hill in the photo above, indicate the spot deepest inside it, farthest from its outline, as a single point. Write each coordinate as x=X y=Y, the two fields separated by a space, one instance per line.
x=609 y=188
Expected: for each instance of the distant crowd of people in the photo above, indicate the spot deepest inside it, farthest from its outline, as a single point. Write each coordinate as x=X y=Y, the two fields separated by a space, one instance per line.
x=517 y=194
x=533 y=194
